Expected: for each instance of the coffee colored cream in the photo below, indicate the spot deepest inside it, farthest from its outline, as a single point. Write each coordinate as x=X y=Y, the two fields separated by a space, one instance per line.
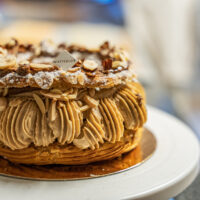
x=72 y=116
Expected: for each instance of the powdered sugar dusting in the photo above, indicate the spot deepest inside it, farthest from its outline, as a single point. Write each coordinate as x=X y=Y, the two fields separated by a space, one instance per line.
x=44 y=79
x=33 y=66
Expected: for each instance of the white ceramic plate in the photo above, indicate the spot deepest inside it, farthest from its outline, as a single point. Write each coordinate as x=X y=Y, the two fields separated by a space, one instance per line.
x=173 y=166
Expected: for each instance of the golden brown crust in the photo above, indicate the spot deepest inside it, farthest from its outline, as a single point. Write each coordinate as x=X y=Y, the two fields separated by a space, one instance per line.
x=26 y=65
x=69 y=172
x=71 y=155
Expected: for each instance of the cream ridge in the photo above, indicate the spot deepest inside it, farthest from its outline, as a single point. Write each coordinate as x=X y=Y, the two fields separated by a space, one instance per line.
x=85 y=118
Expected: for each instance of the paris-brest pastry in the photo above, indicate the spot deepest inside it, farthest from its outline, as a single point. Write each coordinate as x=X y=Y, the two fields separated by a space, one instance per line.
x=91 y=111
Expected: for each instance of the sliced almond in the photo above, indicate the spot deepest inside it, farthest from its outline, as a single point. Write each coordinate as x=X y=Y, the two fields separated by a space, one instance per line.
x=3 y=52
x=7 y=62
x=104 y=52
x=23 y=62
x=91 y=101
x=12 y=43
x=79 y=103
x=81 y=79
x=84 y=108
x=73 y=70
x=3 y=103
x=90 y=65
x=56 y=91
x=71 y=96
x=117 y=64
x=124 y=56
x=37 y=51
x=40 y=66
x=39 y=103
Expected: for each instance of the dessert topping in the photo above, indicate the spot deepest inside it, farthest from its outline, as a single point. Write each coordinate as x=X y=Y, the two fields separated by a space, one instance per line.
x=12 y=43
x=3 y=52
x=90 y=65
x=65 y=60
x=39 y=103
x=107 y=63
x=40 y=66
x=117 y=64
x=81 y=78
x=91 y=101
x=6 y=62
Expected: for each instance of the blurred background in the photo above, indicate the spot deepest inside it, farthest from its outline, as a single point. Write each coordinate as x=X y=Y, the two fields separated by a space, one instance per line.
x=163 y=38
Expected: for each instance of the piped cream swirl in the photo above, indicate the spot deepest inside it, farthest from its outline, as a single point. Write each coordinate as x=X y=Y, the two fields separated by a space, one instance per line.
x=80 y=117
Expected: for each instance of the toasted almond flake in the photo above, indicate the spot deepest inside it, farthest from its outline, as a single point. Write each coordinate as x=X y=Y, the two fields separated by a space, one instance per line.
x=81 y=79
x=90 y=65
x=54 y=96
x=104 y=52
x=3 y=52
x=91 y=74
x=63 y=97
x=3 y=103
x=7 y=62
x=12 y=42
x=90 y=101
x=56 y=91
x=69 y=91
x=117 y=64
x=124 y=56
x=116 y=55
x=72 y=70
x=40 y=66
x=84 y=108
x=24 y=62
x=80 y=103
x=39 y=103
x=72 y=96
x=37 y=51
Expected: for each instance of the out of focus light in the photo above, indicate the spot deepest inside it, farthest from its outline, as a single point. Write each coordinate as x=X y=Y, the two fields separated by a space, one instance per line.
x=104 y=1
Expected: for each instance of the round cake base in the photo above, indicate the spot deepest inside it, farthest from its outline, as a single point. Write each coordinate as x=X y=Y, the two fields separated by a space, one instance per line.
x=71 y=172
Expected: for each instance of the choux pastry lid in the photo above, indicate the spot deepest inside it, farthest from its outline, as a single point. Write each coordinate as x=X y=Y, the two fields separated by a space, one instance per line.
x=28 y=65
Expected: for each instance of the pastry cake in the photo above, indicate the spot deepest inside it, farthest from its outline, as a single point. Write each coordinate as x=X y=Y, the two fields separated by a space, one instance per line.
x=91 y=111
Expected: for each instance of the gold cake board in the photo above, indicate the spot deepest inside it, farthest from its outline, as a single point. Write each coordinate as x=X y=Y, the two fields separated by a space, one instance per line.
x=65 y=172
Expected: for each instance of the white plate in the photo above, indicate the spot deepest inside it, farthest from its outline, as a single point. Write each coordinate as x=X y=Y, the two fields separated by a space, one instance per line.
x=170 y=170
